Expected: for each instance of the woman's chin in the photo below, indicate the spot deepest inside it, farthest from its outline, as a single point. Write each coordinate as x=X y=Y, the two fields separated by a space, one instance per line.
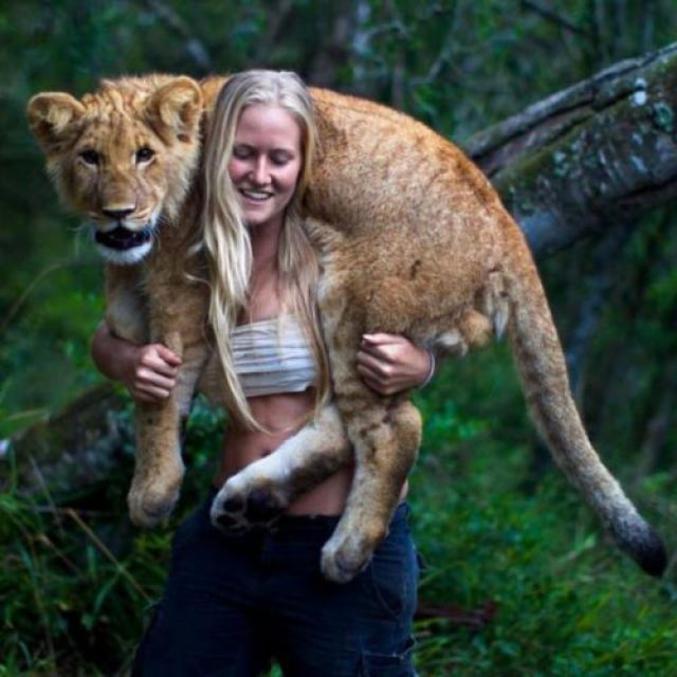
x=256 y=219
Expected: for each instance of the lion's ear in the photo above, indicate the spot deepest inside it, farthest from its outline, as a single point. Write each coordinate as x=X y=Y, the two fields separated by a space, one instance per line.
x=51 y=116
x=174 y=110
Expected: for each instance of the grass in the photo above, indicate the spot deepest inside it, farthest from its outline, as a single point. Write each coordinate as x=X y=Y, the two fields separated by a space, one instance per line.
x=568 y=603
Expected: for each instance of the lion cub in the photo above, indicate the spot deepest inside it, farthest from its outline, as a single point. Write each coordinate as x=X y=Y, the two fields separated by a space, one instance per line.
x=412 y=239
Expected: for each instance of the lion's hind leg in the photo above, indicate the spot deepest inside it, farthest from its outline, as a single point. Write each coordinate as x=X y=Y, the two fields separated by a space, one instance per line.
x=258 y=494
x=386 y=437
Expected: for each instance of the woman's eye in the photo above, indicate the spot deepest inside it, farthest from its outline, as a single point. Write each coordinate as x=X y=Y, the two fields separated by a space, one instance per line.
x=279 y=159
x=144 y=154
x=90 y=157
x=241 y=152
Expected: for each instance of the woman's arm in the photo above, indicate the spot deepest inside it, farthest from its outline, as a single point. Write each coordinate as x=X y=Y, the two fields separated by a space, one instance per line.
x=390 y=363
x=147 y=371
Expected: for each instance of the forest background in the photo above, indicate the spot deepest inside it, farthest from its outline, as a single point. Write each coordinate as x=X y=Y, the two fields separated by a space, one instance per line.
x=520 y=578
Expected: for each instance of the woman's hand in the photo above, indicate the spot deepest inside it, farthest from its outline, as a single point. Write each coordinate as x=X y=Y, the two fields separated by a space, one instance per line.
x=148 y=371
x=150 y=376
x=390 y=363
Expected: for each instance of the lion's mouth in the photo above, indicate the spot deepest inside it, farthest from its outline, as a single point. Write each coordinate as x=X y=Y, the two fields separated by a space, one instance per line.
x=122 y=238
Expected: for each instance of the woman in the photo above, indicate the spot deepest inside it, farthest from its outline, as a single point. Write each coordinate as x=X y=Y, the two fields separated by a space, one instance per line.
x=235 y=600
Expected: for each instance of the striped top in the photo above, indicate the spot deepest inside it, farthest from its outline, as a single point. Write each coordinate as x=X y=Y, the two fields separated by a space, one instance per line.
x=273 y=356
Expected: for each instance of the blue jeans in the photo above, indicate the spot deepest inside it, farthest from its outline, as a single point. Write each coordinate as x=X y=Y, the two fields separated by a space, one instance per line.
x=235 y=601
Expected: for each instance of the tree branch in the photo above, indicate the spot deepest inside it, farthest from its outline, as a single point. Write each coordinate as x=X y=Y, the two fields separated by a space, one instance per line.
x=600 y=152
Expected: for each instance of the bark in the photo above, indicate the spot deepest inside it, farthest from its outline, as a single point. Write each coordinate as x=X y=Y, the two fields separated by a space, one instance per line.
x=596 y=154
x=584 y=160
x=74 y=450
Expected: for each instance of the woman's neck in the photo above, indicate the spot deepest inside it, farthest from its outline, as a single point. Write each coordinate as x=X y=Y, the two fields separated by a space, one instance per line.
x=265 y=240
x=264 y=301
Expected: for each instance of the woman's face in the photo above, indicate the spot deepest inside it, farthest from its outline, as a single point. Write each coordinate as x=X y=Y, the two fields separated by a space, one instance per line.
x=266 y=162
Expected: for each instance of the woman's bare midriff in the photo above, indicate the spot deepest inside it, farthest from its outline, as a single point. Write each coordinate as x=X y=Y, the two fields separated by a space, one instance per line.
x=283 y=415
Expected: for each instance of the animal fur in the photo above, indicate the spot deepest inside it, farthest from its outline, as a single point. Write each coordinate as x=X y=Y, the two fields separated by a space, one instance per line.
x=412 y=239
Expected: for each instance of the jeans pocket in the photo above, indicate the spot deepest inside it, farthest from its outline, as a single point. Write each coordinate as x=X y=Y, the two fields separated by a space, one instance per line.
x=397 y=664
x=390 y=579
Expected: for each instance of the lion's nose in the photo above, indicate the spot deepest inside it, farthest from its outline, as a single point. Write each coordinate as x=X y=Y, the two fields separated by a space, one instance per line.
x=118 y=214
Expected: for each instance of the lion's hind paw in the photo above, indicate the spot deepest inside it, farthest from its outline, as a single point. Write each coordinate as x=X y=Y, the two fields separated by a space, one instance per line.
x=239 y=507
x=344 y=557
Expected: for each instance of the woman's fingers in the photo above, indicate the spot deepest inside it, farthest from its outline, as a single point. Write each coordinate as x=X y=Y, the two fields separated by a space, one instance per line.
x=167 y=355
x=374 y=366
x=146 y=377
x=385 y=347
x=160 y=359
x=390 y=363
x=150 y=393
x=155 y=373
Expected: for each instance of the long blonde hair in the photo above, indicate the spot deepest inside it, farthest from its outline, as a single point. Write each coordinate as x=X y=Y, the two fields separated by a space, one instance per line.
x=226 y=236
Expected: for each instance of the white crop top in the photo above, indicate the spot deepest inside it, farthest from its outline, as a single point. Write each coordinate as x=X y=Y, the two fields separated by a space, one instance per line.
x=273 y=356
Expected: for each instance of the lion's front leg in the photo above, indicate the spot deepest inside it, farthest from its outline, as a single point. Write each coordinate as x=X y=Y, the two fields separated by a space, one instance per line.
x=159 y=467
x=258 y=494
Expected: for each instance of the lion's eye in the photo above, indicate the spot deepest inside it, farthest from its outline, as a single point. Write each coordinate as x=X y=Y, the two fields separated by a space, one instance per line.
x=91 y=157
x=144 y=154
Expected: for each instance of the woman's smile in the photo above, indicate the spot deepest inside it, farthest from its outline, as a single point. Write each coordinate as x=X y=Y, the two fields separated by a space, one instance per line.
x=256 y=196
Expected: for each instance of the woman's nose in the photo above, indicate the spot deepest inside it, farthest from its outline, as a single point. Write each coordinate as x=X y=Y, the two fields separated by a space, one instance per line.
x=260 y=173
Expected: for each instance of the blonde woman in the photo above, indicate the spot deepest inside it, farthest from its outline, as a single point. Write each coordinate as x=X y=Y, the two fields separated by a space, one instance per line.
x=235 y=600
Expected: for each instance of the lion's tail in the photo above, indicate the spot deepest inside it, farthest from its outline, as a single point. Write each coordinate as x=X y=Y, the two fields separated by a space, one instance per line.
x=543 y=372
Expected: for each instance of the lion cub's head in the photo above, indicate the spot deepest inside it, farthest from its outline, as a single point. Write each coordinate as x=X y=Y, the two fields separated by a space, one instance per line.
x=123 y=156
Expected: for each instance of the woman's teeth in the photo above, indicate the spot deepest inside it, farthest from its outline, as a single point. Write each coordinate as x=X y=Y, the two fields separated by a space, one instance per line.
x=258 y=196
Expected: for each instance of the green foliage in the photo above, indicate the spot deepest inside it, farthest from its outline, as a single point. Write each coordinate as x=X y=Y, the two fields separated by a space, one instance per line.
x=45 y=341
x=77 y=582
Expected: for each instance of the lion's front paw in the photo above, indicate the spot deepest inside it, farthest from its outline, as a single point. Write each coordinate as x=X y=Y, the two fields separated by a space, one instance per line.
x=150 y=504
x=347 y=553
x=242 y=505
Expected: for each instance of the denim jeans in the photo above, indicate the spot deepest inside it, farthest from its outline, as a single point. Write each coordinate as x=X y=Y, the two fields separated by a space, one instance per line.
x=235 y=601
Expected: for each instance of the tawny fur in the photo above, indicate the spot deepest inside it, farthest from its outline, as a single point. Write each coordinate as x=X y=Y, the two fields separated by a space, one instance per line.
x=413 y=240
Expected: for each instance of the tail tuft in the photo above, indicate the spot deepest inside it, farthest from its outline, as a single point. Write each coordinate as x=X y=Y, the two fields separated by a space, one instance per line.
x=646 y=547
